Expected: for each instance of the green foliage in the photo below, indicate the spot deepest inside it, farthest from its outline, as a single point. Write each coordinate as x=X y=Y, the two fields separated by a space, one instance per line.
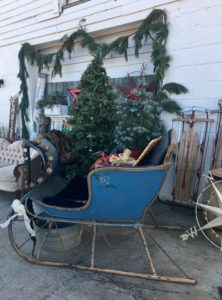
x=138 y=120
x=120 y=46
x=22 y=75
x=51 y=100
x=93 y=116
x=29 y=52
x=174 y=88
x=154 y=27
x=163 y=96
x=170 y=106
x=138 y=123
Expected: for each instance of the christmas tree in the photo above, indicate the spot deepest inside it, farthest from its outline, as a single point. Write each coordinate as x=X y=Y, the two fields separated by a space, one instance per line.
x=138 y=119
x=93 y=116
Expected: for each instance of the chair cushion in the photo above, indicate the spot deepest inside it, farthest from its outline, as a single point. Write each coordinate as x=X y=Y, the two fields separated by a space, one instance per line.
x=11 y=154
x=8 y=181
x=4 y=164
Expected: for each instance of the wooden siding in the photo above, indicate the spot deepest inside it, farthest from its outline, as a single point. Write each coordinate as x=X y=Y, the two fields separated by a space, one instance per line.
x=36 y=21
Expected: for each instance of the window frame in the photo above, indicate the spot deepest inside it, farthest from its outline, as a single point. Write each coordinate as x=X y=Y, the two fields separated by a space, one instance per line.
x=66 y=3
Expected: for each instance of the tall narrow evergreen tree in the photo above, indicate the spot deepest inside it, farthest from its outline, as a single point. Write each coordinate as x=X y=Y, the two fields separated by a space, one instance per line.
x=93 y=117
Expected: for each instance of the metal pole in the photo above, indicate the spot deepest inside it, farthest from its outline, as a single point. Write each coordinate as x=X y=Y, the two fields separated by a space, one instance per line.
x=93 y=247
x=147 y=251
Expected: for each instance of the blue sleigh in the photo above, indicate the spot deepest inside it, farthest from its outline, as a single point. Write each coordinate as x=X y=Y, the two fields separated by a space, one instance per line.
x=118 y=197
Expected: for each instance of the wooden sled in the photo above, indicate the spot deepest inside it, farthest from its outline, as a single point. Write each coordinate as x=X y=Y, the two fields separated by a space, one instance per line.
x=216 y=159
x=191 y=149
x=186 y=165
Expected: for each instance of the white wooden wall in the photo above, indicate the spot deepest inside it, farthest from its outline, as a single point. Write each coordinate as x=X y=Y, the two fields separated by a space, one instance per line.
x=195 y=41
x=37 y=22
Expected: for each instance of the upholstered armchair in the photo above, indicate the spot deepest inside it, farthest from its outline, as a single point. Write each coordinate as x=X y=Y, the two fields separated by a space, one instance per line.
x=11 y=156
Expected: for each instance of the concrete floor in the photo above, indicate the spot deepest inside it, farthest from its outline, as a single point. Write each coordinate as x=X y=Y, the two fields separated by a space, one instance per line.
x=22 y=280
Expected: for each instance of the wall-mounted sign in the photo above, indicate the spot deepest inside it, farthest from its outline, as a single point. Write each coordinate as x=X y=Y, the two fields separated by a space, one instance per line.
x=12 y=117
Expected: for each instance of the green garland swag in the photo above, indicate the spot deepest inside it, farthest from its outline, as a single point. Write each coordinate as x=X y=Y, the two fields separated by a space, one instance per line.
x=155 y=27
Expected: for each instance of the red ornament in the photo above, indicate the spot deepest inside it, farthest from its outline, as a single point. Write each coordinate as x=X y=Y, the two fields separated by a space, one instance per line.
x=129 y=91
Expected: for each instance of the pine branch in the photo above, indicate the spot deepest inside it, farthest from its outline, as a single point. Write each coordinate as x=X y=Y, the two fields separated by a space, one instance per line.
x=174 y=88
x=69 y=43
x=155 y=23
x=29 y=52
x=156 y=15
x=138 y=42
x=88 y=41
x=160 y=30
x=47 y=60
x=159 y=57
x=57 y=68
x=22 y=75
x=120 y=46
x=170 y=106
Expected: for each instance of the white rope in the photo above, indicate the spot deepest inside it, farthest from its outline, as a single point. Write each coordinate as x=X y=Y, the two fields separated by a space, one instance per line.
x=20 y=211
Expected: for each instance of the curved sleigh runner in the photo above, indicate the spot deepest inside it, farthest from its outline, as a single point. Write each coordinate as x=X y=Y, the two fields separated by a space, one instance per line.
x=118 y=199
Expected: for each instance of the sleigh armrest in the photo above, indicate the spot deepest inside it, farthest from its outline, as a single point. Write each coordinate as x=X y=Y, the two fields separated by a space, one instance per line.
x=128 y=168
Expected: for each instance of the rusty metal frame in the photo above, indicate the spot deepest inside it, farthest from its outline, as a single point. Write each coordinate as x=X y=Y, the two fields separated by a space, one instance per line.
x=92 y=267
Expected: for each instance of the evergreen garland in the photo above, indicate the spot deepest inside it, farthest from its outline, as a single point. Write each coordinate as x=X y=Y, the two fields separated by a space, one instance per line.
x=120 y=46
x=23 y=74
x=33 y=56
x=154 y=26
